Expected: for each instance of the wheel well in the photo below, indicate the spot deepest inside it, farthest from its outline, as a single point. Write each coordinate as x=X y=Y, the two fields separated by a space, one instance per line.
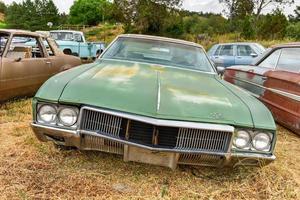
x=67 y=51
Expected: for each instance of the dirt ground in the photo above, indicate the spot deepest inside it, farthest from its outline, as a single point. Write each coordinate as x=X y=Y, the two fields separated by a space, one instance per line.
x=30 y=169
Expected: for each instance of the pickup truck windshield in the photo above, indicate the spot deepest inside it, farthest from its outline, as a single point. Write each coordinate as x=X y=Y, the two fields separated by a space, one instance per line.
x=159 y=52
x=65 y=36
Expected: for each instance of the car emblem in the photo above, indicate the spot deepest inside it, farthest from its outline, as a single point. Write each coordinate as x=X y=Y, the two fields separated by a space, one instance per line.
x=216 y=115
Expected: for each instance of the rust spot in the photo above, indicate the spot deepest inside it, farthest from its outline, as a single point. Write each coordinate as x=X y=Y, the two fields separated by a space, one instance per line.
x=118 y=74
x=158 y=68
x=121 y=71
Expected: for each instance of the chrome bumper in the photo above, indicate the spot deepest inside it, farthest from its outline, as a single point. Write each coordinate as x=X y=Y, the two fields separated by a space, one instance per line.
x=146 y=154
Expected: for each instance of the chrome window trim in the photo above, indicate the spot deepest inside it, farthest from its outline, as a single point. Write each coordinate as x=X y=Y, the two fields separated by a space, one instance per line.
x=279 y=92
x=160 y=122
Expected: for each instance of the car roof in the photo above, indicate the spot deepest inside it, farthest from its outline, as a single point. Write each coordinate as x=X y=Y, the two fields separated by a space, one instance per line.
x=158 y=38
x=19 y=32
x=238 y=43
x=66 y=31
x=292 y=44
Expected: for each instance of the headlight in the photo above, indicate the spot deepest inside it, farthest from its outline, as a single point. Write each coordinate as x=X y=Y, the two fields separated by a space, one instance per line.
x=242 y=139
x=261 y=142
x=47 y=114
x=68 y=116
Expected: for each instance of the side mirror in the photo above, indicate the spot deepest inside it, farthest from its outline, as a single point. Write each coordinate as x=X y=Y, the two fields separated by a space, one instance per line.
x=18 y=59
x=254 y=55
x=220 y=70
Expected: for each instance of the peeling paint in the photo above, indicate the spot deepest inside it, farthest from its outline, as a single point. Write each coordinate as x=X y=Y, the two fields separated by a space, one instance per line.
x=119 y=74
x=198 y=98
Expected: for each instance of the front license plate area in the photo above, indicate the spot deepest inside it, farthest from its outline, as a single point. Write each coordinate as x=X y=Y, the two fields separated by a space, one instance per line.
x=141 y=155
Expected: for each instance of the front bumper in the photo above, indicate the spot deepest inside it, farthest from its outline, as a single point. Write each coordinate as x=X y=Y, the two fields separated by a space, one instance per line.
x=84 y=140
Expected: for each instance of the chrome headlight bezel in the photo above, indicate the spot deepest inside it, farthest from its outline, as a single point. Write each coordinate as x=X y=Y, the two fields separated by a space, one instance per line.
x=268 y=144
x=41 y=119
x=57 y=122
x=61 y=122
x=251 y=146
x=242 y=135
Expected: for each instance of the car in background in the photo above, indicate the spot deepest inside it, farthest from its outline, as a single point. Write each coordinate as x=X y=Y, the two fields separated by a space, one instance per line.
x=24 y=68
x=74 y=43
x=155 y=100
x=230 y=54
x=275 y=80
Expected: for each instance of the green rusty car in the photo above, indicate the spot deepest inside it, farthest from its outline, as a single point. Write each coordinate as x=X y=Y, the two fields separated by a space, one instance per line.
x=155 y=100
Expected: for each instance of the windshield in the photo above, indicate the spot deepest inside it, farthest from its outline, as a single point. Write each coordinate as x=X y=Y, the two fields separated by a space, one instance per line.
x=65 y=36
x=259 y=48
x=159 y=52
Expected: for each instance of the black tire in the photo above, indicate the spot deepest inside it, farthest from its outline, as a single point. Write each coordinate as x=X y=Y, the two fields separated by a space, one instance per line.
x=67 y=51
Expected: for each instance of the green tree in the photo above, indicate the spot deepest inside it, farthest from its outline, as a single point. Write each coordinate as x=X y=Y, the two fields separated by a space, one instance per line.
x=248 y=30
x=90 y=12
x=147 y=16
x=260 y=5
x=293 y=30
x=3 y=7
x=238 y=9
x=272 y=26
x=32 y=15
x=242 y=7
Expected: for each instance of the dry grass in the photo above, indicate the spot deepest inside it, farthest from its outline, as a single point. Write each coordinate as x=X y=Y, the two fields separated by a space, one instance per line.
x=33 y=170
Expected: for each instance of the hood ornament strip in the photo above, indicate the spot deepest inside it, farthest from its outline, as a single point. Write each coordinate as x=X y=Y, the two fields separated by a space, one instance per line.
x=158 y=92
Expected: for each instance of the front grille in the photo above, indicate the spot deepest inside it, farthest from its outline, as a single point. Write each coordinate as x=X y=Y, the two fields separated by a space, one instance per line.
x=195 y=139
x=90 y=142
x=167 y=136
x=155 y=136
x=101 y=122
x=141 y=132
x=200 y=159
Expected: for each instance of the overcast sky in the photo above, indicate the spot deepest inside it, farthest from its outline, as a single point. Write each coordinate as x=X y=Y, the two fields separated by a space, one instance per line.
x=193 y=5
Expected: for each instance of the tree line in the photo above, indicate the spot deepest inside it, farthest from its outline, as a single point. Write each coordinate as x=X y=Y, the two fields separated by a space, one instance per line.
x=162 y=17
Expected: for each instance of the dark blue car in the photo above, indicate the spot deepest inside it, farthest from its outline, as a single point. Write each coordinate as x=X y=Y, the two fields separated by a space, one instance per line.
x=229 y=54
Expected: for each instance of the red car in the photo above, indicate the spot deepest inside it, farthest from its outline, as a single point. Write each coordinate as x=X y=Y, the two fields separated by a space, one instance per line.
x=275 y=79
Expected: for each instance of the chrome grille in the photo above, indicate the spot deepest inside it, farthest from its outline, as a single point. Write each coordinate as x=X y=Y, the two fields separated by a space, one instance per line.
x=101 y=122
x=90 y=142
x=185 y=139
x=200 y=159
x=196 y=139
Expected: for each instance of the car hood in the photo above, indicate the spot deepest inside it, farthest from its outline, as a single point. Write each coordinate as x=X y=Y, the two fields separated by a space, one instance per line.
x=155 y=91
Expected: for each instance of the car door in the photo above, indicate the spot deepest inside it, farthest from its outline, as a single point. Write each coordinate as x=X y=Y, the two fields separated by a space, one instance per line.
x=244 y=54
x=85 y=49
x=224 y=55
x=283 y=88
x=24 y=68
x=59 y=61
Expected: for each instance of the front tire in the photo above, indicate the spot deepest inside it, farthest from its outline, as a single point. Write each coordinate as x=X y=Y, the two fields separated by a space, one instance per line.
x=67 y=51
